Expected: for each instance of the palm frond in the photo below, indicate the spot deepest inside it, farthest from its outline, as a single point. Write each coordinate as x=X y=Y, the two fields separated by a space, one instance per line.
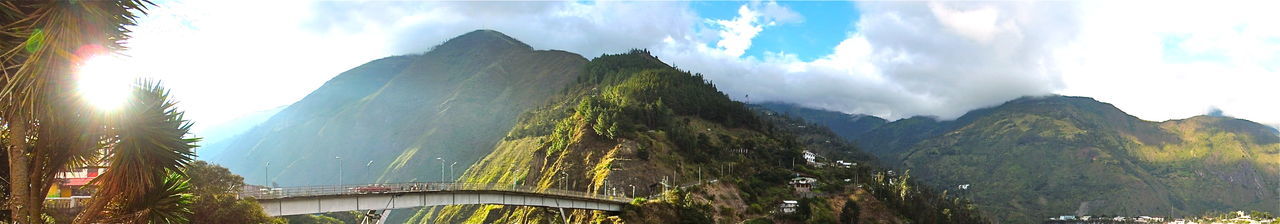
x=167 y=204
x=150 y=143
x=44 y=39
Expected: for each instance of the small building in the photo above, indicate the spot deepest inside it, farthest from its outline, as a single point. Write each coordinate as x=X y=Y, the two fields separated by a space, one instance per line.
x=802 y=183
x=803 y=186
x=75 y=182
x=1149 y=219
x=844 y=164
x=810 y=157
x=788 y=206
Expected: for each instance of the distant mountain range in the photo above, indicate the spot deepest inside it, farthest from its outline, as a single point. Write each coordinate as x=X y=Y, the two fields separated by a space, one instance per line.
x=1037 y=157
x=214 y=139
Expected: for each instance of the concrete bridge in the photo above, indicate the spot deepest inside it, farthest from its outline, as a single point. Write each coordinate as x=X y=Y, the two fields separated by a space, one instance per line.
x=384 y=197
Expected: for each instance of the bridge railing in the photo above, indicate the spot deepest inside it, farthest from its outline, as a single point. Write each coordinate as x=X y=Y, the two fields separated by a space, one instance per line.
x=277 y=193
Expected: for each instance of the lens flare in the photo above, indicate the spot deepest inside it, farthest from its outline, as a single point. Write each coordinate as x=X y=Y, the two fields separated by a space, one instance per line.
x=104 y=81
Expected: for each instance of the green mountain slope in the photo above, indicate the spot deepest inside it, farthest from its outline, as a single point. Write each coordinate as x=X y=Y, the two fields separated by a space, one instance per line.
x=1037 y=157
x=390 y=118
x=845 y=125
x=632 y=125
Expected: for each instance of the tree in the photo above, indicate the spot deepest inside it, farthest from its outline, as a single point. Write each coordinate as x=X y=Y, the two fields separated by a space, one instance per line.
x=209 y=179
x=849 y=214
x=215 y=189
x=146 y=154
x=49 y=128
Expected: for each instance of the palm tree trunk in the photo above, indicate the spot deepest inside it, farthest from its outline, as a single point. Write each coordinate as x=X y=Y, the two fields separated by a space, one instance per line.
x=37 y=184
x=19 y=162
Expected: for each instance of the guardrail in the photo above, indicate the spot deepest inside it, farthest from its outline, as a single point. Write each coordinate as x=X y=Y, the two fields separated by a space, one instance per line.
x=415 y=187
x=66 y=202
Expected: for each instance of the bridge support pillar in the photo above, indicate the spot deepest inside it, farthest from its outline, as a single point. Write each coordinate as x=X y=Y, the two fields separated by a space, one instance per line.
x=373 y=217
x=563 y=216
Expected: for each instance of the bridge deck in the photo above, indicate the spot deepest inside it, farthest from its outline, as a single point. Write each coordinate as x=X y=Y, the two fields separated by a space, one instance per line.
x=320 y=199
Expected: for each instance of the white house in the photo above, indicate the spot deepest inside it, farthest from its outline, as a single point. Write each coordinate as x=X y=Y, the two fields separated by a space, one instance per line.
x=802 y=183
x=844 y=164
x=810 y=157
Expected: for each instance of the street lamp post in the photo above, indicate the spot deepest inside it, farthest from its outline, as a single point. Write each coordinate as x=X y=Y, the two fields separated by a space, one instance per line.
x=563 y=175
x=452 y=175
x=441 y=168
x=339 y=158
x=266 y=174
x=366 y=168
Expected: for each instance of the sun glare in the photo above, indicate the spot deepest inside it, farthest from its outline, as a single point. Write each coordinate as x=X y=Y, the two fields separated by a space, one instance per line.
x=104 y=81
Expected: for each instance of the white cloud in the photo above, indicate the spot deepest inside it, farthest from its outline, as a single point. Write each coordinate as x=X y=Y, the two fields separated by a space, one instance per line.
x=904 y=58
x=1179 y=61
x=223 y=60
x=907 y=59
x=978 y=24
x=736 y=34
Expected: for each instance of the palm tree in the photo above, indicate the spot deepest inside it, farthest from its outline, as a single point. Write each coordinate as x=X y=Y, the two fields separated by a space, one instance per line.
x=47 y=128
x=147 y=151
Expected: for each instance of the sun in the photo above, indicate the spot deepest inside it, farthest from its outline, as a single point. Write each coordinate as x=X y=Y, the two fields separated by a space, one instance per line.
x=104 y=81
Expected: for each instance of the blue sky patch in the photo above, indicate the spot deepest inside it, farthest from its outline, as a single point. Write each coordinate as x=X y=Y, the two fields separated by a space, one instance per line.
x=825 y=25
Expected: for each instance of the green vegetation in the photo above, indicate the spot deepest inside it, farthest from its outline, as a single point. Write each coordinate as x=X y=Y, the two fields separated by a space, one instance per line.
x=849 y=213
x=1038 y=157
x=326 y=218
x=215 y=199
x=633 y=124
x=899 y=192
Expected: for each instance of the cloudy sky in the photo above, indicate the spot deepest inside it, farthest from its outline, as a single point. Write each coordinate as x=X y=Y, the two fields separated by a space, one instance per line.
x=1156 y=60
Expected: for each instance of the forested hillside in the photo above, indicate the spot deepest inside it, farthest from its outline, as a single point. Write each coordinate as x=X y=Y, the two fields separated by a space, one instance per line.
x=1037 y=157
x=633 y=125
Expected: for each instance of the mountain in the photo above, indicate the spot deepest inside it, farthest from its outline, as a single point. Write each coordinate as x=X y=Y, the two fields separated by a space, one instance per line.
x=389 y=119
x=633 y=125
x=214 y=139
x=1037 y=157
x=845 y=125
x=553 y=120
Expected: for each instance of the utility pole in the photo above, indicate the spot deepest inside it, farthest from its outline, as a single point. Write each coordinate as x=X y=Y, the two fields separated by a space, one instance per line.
x=730 y=169
x=699 y=175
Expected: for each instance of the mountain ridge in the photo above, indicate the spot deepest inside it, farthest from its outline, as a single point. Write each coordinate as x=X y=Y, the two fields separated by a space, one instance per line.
x=1036 y=157
x=387 y=120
